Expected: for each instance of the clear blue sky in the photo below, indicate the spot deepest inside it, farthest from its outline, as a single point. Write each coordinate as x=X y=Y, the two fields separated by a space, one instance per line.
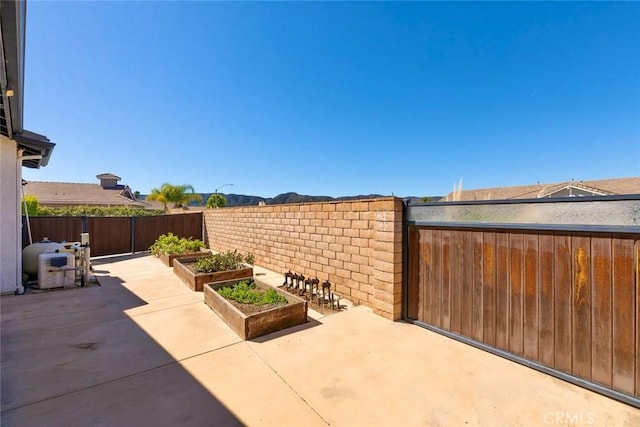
x=334 y=98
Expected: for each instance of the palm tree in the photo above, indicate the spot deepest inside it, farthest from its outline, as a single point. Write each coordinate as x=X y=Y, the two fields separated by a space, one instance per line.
x=183 y=194
x=179 y=195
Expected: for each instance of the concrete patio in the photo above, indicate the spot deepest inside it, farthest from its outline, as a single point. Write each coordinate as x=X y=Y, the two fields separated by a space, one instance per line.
x=142 y=349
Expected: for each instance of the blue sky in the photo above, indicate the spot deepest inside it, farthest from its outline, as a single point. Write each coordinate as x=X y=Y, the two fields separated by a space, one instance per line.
x=334 y=98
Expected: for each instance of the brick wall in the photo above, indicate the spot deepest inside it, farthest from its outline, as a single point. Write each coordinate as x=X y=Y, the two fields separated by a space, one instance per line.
x=356 y=245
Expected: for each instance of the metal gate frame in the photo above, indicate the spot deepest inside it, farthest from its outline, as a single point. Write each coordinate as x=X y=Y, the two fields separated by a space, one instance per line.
x=598 y=214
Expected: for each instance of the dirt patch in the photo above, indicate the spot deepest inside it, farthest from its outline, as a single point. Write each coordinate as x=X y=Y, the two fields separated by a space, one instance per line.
x=251 y=308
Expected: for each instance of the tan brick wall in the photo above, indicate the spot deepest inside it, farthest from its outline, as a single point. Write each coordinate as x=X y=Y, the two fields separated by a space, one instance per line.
x=356 y=245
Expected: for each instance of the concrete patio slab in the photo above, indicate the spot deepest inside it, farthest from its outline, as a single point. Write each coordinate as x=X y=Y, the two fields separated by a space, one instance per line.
x=136 y=351
x=186 y=331
x=250 y=389
x=164 y=396
x=39 y=365
x=399 y=374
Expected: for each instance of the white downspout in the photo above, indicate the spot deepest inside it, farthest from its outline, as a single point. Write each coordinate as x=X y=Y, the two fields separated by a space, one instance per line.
x=21 y=158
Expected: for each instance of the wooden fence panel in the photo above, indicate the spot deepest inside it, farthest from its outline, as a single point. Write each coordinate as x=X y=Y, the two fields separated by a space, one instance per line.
x=466 y=305
x=530 y=274
x=566 y=300
x=413 y=271
x=601 y=350
x=563 y=304
x=477 y=306
x=502 y=291
x=546 y=303
x=456 y=283
x=516 y=285
x=489 y=288
x=148 y=228
x=436 y=278
x=109 y=235
x=426 y=239
x=581 y=307
x=445 y=314
x=113 y=235
x=54 y=228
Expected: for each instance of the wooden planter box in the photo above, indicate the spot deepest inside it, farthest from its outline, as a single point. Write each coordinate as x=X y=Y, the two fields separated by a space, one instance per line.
x=167 y=259
x=196 y=281
x=257 y=324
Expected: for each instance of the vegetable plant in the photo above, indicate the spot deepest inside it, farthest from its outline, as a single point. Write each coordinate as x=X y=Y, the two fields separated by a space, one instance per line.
x=223 y=261
x=171 y=244
x=246 y=292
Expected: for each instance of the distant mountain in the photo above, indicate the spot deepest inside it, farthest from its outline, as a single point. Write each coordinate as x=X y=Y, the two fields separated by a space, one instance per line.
x=244 y=200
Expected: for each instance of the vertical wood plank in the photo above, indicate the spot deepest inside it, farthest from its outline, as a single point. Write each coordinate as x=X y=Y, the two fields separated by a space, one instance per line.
x=530 y=326
x=502 y=291
x=466 y=299
x=446 y=280
x=546 y=317
x=581 y=254
x=457 y=260
x=436 y=308
x=601 y=316
x=563 y=303
x=624 y=296
x=477 y=308
x=637 y=273
x=413 y=280
x=516 y=289
x=489 y=289
x=426 y=236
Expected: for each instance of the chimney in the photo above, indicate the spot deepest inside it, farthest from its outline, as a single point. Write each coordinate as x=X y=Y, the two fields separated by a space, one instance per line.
x=108 y=180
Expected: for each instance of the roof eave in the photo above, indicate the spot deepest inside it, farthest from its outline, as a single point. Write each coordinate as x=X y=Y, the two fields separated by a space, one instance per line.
x=34 y=144
x=13 y=49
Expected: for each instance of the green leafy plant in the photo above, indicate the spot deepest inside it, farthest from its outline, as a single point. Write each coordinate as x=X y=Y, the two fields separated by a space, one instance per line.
x=88 y=210
x=216 y=200
x=32 y=205
x=223 y=261
x=246 y=292
x=171 y=244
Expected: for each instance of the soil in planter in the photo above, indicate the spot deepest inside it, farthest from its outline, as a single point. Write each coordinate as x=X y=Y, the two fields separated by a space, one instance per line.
x=252 y=309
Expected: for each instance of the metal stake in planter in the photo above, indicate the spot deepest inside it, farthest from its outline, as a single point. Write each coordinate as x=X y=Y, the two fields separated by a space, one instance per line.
x=326 y=292
x=314 y=285
x=300 y=284
x=337 y=300
x=287 y=277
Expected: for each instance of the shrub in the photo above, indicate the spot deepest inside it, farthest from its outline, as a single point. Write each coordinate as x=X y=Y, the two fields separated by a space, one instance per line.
x=224 y=261
x=245 y=292
x=94 y=211
x=216 y=200
x=32 y=205
x=171 y=244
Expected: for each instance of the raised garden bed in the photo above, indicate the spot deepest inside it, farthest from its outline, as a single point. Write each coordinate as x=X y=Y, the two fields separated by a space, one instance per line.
x=184 y=269
x=168 y=259
x=261 y=320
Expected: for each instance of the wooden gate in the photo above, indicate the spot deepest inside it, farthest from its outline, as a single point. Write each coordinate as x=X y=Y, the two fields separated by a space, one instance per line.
x=567 y=302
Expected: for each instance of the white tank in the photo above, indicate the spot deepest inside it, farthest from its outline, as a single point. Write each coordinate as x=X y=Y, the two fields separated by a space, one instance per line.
x=31 y=252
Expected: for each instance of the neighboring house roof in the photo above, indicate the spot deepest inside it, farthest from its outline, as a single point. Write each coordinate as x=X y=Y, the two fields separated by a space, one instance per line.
x=80 y=194
x=108 y=176
x=581 y=188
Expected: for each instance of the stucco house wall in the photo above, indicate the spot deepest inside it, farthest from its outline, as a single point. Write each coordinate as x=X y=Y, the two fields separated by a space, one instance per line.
x=10 y=253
